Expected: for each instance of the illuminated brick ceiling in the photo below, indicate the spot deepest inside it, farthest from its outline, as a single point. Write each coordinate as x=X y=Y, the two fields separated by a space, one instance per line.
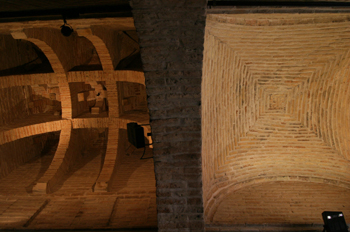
x=274 y=101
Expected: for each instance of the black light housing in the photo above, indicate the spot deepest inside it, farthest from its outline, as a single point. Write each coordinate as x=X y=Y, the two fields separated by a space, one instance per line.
x=136 y=135
x=334 y=222
x=66 y=29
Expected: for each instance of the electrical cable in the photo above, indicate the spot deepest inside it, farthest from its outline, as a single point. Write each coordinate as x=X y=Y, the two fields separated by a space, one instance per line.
x=127 y=149
x=144 y=152
x=130 y=37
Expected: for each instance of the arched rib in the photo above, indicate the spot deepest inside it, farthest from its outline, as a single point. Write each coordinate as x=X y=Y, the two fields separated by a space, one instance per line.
x=76 y=76
x=129 y=76
x=101 y=48
x=57 y=168
x=219 y=196
x=41 y=124
x=104 y=178
x=57 y=66
x=113 y=99
x=33 y=125
x=80 y=123
x=66 y=100
x=46 y=49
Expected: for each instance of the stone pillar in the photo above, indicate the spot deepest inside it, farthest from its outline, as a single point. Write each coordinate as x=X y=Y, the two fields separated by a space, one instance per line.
x=171 y=39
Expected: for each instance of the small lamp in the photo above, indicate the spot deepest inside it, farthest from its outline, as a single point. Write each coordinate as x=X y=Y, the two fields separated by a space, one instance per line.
x=334 y=222
x=66 y=29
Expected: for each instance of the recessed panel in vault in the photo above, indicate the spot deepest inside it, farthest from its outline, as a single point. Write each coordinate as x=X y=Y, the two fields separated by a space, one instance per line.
x=274 y=95
x=277 y=101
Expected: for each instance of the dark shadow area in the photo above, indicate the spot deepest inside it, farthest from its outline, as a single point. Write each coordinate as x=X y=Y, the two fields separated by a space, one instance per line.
x=103 y=154
x=94 y=67
x=89 y=99
x=133 y=98
x=92 y=230
x=38 y=104
x=86 y=57
x=40 y=64
x=20 y=152
x=131 y=62
x=130 y=164
x=82 y=151
x=46 y=157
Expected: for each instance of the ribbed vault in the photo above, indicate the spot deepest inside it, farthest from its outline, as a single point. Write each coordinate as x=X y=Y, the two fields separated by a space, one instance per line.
x=274 y=95
x=75 y=86
x=64 y=108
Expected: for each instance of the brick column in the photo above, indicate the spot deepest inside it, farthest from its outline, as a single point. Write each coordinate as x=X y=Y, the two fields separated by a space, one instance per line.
x=171 y=39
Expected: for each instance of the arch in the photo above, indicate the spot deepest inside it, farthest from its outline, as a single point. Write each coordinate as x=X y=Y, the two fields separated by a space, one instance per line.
x=76 y=76
x=64 y=48
x=41 y=124
x=101 y=48
x=105 y=175
x=79 y=123
x=57 y=167
x=113 y=99
x=101 y=184
x=45 y=48
x=129 y=76
x=219 y=195
x=111 y=77
x=58 y=68
x=19 y=132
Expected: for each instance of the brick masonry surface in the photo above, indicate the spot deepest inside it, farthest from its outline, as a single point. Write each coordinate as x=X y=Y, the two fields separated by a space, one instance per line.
x=274 y=118
x=269 y=121
x=131 y=203
x=171 y=40
x=65 y=162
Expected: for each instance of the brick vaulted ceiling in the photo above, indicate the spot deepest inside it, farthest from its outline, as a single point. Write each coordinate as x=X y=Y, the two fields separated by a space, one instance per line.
x=275 y=97
x=17 y=5
x=65 y=103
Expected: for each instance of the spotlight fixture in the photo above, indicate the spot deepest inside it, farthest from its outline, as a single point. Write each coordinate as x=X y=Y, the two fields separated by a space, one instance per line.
x=136 y=134
x=334 y=222
x=66 y=29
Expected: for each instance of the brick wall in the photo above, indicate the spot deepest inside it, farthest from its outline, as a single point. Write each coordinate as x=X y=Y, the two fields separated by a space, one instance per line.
x=287 y=202
x=14 y=104
x=20 y=102
x=79 y=107
x=131 y=203
x=72 y=51
x=133 y=97
x=22 y=151
x=272 y=98
x=70 y=170
x=120 y=44
x=21 y=52
x=171 y=41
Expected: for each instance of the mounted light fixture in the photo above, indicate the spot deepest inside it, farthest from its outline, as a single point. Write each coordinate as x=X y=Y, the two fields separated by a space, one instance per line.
x=334 y=222
x=66 y=29
x=136 y=135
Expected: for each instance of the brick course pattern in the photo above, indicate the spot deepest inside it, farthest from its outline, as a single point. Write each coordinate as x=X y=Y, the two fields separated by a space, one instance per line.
x=171 y=41
x=131 y=203
x=278 y=201
x=65 y=54
x=17 y=158
x=89 y=150
x=274 y=94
